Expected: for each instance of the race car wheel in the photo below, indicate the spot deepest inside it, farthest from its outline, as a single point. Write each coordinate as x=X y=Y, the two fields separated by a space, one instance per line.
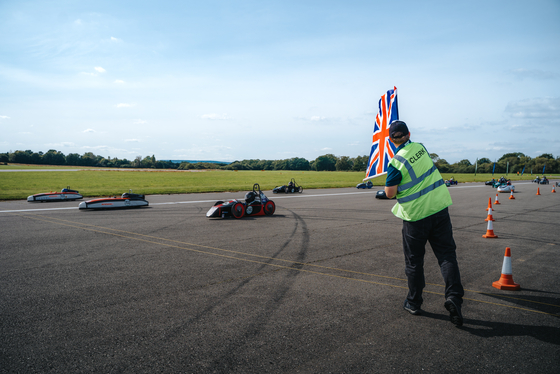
x=269 y=208
x=300 y=190
x=286 y=189
x=238 y=210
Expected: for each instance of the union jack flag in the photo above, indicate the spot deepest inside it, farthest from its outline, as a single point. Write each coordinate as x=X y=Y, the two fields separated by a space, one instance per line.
x=382 y=148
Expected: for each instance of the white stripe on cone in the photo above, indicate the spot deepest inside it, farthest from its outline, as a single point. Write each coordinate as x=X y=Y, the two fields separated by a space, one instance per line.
x=506 y=267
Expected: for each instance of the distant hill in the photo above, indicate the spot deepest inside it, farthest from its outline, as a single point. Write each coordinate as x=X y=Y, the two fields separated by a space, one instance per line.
x=195 y=161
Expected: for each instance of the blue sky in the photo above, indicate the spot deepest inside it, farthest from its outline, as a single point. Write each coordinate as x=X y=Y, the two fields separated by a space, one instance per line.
x=232 y=80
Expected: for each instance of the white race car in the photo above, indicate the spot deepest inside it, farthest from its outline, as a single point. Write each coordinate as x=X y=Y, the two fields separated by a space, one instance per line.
x=127 y=200
x=63 y=195
x=506 y=188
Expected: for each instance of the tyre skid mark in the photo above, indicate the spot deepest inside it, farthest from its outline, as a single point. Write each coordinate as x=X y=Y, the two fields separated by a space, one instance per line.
x=294 y=265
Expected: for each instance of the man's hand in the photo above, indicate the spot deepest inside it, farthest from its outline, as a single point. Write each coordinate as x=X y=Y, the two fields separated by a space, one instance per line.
x=391 y=191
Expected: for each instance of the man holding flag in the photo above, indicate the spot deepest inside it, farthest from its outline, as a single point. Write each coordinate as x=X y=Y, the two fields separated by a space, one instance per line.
x=422 y=201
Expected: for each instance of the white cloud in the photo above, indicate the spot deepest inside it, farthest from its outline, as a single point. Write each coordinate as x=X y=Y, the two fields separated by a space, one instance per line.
x=535 y=74
x=116 y=40
x=96 y=147
x=61 y=144
x=4 y=117
x=88 y=130
x=78 y=22
x=132 y=140
x=125 y=105
x=100 y=69
x=326 y=149
x=215 y=116
x=538 y=108
x=317 y=118
x=119 y=81
x=312 y=118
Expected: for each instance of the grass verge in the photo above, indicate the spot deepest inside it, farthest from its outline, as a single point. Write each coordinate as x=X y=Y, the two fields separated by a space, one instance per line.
x=94 y=182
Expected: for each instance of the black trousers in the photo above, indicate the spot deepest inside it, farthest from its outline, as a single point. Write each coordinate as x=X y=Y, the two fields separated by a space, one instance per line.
x=438 y=231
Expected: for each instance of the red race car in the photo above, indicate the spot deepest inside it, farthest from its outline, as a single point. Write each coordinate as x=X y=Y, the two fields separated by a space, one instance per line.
x=255 y=204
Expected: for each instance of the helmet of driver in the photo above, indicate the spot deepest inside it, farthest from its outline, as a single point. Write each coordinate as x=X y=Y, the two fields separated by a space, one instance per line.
x=250 y=196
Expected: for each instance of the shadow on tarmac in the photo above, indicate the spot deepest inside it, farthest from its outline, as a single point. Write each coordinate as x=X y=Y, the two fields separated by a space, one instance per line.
x=545 y=304
x=489 y=329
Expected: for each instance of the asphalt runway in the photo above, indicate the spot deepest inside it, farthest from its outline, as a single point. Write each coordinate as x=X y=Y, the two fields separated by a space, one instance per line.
x=316 y=288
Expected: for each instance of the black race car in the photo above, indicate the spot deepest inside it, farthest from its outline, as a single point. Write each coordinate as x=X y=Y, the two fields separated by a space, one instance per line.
x=544 y=180
x=381 y=195
x=291 y=187
x=368 y=184
x=255 y=204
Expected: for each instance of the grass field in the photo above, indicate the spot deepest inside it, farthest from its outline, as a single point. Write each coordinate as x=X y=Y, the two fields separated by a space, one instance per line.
x=19 y=185
x=94 y=182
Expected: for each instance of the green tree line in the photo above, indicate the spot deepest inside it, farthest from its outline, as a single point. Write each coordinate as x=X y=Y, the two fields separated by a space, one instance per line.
x=54 y=157
x=328 y=162
x=509 y=162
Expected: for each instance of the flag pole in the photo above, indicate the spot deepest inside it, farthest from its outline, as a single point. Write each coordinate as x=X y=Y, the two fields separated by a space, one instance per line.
x=475 y=166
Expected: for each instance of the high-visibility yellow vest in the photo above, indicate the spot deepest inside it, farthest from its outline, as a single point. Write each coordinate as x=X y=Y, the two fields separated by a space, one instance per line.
x=422 y=191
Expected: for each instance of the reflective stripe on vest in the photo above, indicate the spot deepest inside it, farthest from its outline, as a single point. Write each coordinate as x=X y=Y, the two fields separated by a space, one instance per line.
x=421 y=192
x=416 y=195
x=415 y=180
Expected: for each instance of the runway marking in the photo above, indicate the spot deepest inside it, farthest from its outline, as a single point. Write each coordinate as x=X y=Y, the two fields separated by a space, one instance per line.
x=135 y=237
x=35 y=210
x=190 y=202
x=298 y=196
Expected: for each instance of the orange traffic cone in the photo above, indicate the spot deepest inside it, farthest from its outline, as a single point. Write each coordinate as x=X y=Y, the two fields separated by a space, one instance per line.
x=490 y=231
x=538 y=191
x=496 y=202
x=506 y=280
x=489 y=203
x=511 y=197
x=490 y=218
x=553 y=189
